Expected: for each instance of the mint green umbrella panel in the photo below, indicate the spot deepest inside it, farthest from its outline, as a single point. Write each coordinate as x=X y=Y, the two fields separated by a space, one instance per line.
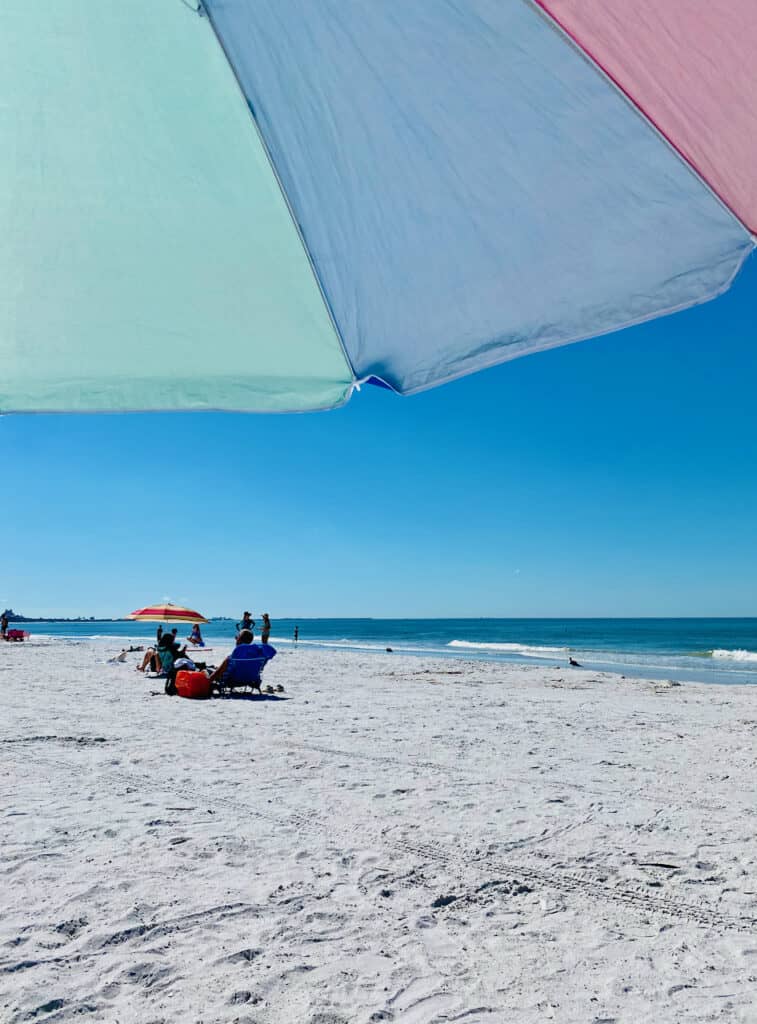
x=261 y=204
x=148 y=257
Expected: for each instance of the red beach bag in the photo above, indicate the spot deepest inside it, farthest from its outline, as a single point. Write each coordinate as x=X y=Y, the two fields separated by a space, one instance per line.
x=195 y=685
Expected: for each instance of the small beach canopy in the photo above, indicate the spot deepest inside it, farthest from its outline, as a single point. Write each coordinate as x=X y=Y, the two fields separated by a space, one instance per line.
x=261 y=204
x=166 y=613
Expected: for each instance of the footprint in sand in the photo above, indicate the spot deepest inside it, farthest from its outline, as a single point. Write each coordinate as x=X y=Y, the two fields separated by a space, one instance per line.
x=426 y=921
x=72 y=928
x=146 y=974
x=245 y=956
x=423 y=1009
x=243 y=996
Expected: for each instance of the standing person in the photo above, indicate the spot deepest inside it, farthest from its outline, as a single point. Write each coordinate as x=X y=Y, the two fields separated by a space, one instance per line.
x=160 y=634
x=4 y=625
x=266 y=632
x=247 y=623
x=296 y=633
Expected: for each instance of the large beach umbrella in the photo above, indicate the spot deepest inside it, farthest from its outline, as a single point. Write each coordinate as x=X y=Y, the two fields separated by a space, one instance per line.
x=166 y=613
x=260 y=204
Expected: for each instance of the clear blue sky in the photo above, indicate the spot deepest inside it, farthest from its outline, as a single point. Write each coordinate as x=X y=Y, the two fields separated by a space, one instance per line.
x=613 y=477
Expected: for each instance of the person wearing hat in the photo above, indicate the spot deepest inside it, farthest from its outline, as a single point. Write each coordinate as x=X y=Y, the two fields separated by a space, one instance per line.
x=247 y=623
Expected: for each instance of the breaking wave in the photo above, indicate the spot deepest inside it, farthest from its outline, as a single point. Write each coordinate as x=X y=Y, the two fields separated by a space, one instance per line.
x=737 y=655
x=528 y=650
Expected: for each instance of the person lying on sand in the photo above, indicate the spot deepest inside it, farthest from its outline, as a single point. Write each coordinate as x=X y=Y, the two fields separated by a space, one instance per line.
x=118 y=657
x=122 y=656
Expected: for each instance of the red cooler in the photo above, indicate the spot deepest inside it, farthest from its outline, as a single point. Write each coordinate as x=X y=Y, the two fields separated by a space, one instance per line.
x=195 y=685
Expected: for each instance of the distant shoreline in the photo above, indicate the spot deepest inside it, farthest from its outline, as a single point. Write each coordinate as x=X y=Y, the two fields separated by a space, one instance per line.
x=87 y=618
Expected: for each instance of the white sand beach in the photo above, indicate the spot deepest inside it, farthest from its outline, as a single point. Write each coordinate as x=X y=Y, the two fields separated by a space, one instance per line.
x=393 y=839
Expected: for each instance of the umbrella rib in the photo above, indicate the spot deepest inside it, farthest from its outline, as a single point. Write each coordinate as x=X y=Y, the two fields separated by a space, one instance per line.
x=203 y=11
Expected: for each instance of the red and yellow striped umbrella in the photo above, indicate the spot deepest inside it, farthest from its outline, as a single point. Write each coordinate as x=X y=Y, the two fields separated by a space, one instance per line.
x=166 y=613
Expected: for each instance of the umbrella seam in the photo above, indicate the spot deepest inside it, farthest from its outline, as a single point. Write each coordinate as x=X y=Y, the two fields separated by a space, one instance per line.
x=574 y=43
x=204 y=11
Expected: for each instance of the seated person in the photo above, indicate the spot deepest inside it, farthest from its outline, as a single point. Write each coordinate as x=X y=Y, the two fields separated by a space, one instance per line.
x=168 y=648
x=246 y=648
x=151 y=658
x=195 y=637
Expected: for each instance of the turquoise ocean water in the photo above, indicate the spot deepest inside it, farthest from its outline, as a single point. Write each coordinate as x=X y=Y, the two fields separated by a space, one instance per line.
x=701 y=650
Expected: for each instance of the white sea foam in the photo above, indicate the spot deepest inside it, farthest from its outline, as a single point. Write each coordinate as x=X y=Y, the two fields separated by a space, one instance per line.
x=94 y=637
x=528 y=650
x=737 y=655
x=339 y=645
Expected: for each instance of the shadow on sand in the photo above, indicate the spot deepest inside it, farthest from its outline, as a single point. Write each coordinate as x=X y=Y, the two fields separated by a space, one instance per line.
x=231 y=695
x=235 y=695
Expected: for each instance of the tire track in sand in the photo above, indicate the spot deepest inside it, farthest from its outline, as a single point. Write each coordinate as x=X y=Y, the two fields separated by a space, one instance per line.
x=554 y=876
x=463 y=862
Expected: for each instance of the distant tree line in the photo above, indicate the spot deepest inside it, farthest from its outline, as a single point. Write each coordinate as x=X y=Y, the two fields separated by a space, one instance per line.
x=12 y=616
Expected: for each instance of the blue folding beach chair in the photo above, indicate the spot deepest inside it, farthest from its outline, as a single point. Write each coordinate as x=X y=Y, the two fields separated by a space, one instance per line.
x=246 y=666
